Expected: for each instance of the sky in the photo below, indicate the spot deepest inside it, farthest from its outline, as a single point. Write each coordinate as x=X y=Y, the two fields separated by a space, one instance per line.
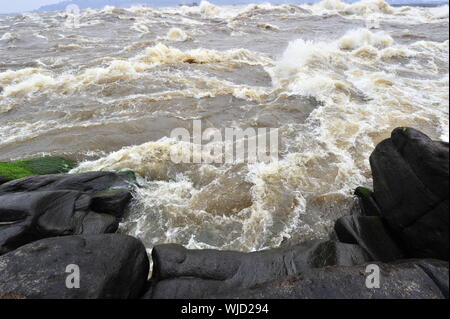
x=7 y=6
x=23 y=5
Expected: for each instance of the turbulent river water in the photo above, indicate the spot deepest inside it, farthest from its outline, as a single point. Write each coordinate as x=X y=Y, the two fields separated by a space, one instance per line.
x=335 y=78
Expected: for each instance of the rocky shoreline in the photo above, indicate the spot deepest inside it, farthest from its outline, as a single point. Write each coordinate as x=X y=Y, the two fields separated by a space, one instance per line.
x=53 y=220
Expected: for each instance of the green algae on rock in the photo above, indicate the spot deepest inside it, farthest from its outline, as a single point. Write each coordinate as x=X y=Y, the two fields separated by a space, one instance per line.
x=363 y=192
x=34 y=167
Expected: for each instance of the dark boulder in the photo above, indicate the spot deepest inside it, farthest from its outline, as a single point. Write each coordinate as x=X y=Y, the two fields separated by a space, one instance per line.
x=428 y=159
x=367 y=203
x=331 y=253
x=59 y=205
x=428 y=236
x=111 y=202
x=23 y=214
x=178 y=270
x=111 y=266
x=25 y=217
x=3 y=180
x=423 y=279
x=94 y=223
x=411 y=188
x=371 y=234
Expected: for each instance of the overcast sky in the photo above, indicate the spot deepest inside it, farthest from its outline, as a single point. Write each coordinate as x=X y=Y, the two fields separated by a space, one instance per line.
x=8 y=6
x=23 y=5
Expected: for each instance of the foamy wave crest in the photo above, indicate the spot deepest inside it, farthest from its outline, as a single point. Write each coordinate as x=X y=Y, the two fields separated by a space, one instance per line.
x=150 y=160
x=161 y=54
x=363 y=37
x=379 y=10
x=200 y=205
x=9 y=37
x=177 y=35
x=207 y=10
x=302 y=69
x=365 y=89
x=29 y=81
x=362 y=8
x=439 y=13
x=324 y=70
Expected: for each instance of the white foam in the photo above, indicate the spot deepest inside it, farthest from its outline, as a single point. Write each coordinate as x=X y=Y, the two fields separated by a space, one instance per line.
x=357 y=38
x=31 y=81
x=176 y=35
x=375 y=11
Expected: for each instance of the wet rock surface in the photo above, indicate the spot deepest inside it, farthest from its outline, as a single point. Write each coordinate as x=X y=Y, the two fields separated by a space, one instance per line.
x=411 y=187
x=177 y=270
x=371 y=234
x=406 y=280
x=110 y=266
x=38 y=207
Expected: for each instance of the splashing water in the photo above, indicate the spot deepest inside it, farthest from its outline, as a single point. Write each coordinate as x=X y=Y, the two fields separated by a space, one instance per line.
x=335 y=78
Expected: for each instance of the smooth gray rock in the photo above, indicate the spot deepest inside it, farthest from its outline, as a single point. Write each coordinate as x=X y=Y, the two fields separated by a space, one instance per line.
x=59 y=205
x=424 y=279
x=177 y=270
x=111 y=266
x=25 y=217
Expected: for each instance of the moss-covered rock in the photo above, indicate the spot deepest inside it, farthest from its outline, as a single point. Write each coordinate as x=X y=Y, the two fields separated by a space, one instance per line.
x=369 y=206
x=130 y=176
x=34 y=167
x=363 y=192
